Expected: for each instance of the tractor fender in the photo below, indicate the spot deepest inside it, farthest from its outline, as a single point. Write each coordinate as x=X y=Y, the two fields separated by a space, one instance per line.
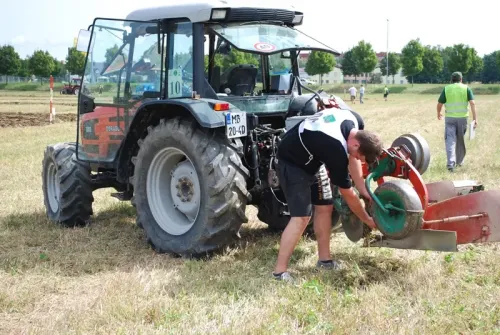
x=150 y=113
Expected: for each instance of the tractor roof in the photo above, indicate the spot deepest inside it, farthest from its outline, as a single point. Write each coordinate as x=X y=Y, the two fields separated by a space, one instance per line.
x=201 y=11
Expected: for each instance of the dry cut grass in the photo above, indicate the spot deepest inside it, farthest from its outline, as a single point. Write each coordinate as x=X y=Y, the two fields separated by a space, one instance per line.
x=104 y=279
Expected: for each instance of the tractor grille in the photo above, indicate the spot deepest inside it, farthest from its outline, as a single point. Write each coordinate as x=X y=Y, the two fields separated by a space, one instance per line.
x=259 y=14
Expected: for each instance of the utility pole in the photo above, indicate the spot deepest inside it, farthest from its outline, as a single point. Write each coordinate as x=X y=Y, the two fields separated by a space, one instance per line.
x=387 y=54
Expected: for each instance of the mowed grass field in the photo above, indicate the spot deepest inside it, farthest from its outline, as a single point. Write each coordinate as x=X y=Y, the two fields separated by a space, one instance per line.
x=104 y=279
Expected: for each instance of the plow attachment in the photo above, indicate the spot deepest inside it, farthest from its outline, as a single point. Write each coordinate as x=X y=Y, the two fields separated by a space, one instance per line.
x=437 y=216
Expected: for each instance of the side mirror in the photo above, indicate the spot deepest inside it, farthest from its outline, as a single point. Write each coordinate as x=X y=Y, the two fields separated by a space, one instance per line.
x=83 y=40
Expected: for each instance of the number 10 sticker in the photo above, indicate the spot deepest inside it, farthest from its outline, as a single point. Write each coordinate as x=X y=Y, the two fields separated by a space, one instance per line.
x=174 y=83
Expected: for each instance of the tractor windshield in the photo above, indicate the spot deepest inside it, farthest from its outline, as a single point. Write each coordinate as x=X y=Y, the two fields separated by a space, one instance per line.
x=256 y=66
x=267 y=38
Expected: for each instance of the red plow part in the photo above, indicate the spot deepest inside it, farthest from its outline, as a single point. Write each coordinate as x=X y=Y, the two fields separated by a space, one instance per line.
x=475 y=217
x=455 y=212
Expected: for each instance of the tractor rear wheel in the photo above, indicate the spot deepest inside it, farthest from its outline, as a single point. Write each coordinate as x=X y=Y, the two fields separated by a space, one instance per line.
x=67 y=186
x=189 y=189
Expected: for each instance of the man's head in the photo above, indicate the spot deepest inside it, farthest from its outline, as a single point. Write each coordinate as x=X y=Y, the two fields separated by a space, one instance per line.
x=456 y=77
x=364 y=145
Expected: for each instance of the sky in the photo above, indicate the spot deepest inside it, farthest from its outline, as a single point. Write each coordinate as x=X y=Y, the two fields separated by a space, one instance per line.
x=33 y=25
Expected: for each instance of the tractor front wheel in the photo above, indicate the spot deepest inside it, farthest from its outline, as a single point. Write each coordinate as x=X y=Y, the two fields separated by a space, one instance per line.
x=190 y=189
x=67 y=186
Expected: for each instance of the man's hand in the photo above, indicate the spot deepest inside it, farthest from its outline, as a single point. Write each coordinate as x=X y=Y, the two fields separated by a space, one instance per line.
x=439 y=108
x=356 y=206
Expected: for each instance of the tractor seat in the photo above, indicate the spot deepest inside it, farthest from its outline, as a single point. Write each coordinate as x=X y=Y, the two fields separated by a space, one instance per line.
x=240 y=79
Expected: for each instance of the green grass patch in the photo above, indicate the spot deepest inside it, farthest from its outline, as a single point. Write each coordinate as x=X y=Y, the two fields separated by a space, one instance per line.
x=30 y=87
x=393 y=89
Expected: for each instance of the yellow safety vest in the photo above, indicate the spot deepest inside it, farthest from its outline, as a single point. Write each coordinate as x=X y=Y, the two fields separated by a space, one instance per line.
x=456 y=100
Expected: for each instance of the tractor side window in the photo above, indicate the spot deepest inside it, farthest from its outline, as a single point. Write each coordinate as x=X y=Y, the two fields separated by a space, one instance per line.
x=123 y=62
x=180 y=65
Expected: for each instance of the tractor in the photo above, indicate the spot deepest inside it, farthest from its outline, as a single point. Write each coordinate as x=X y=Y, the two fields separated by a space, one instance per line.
x=193 y=150
x=73 y=89
x=201 y=94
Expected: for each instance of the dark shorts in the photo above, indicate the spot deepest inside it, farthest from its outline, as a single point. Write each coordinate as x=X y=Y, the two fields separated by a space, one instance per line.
x=303 y=190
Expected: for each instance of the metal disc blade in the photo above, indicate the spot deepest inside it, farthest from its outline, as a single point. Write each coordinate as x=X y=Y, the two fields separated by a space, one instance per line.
x=353 y=228
x=425 y=151
x=412 y=145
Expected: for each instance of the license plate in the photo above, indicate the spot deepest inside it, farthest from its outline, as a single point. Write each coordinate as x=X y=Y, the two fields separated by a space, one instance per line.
x=236 y=125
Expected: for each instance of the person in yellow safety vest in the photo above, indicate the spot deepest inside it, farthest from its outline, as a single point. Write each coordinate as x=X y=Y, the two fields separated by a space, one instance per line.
x=456 y=97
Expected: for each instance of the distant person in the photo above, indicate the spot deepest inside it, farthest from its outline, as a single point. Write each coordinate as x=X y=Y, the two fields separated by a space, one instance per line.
x=386 y=92
x=100 y=89
x=456 y=97
x=361 y=94
x=352 y=92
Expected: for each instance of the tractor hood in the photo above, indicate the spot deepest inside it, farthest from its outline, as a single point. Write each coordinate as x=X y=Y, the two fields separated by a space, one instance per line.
x=262 y=38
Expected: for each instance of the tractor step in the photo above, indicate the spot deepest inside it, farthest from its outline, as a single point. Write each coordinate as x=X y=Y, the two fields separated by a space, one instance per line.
x=122 y=196
x=423 y=239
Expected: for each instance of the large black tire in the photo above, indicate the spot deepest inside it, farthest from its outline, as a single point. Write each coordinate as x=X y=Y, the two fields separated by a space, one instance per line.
x=218 y=182
x=67 y=186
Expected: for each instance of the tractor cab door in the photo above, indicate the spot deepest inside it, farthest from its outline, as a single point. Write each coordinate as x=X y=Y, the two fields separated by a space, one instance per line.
x=122 y=71
x=126 y=66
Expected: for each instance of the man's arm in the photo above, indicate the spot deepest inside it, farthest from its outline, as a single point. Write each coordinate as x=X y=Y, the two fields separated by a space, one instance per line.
x=441 y=102
x=356 y=206
x=473 y=110
x=470 y=97
x=439 y=108
x=356 y=171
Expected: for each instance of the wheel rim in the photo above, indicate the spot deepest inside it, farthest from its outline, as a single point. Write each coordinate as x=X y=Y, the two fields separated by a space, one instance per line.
x=76 y=91
x=394 y=222
x=53 y=189
x=173 y=191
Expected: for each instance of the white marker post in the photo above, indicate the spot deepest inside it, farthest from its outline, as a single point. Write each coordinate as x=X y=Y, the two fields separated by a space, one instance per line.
x=52 y=112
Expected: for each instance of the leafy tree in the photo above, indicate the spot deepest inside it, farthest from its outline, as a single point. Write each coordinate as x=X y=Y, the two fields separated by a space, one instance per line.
x=10 y=62
x=59 y=69
x=217 y=60
x=350 y=66
x=412 y=58
x=498 y=59
x=476 y=69
x=24 y=70
x=320 y=63
x=394 y=65
x=237 y=57
x=365 y=57
x=111 y=52
x=460 y=58
x=491 y=69
x=75 y=61
x=433 y=62
x=41 y=64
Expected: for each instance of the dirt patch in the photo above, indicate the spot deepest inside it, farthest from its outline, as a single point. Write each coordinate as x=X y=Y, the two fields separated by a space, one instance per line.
x=32 y=119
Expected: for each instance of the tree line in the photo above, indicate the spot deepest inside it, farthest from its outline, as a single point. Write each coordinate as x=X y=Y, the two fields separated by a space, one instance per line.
x=419 y=63
x=40 y=63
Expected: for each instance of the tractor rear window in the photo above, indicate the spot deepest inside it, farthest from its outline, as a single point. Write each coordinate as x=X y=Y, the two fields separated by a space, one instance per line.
x=267 y=38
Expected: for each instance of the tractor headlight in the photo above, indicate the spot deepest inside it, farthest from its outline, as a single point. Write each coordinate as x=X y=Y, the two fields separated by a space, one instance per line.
x=218 y=14
x=297 y=19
